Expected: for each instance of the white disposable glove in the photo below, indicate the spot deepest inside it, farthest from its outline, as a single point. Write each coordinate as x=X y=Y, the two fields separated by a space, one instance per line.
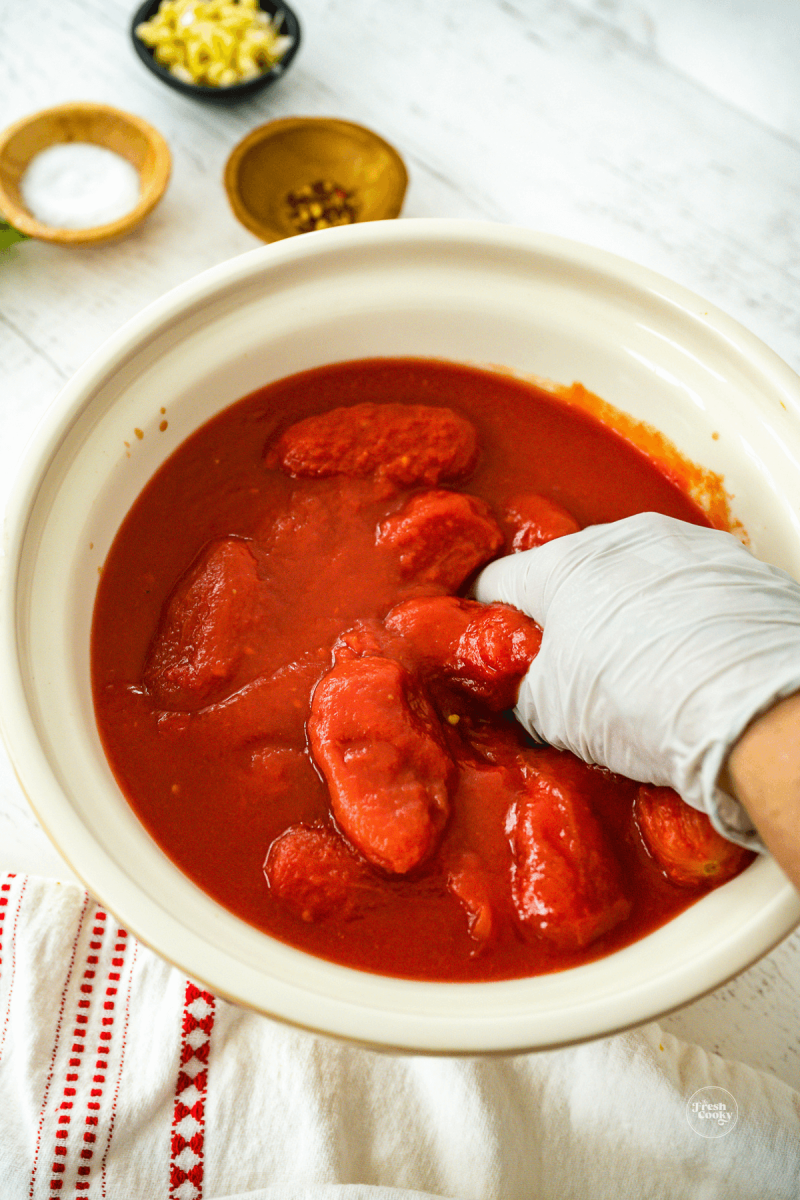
x=662 y=641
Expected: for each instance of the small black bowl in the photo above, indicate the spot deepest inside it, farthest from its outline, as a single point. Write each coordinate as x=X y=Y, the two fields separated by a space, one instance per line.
x=236 y=91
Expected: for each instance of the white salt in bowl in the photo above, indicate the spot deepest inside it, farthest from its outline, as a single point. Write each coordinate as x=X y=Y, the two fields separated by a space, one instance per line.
x=473 y=293
x=130 y=138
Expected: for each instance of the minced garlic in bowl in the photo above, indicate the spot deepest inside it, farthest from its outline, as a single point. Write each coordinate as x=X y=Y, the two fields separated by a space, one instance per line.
x=214 y=43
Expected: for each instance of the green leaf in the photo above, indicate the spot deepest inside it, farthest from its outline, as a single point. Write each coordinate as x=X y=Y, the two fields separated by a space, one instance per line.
x=9 y=235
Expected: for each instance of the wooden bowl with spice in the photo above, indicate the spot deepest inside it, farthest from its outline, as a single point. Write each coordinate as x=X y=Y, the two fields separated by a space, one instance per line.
x=305 y=173
x=81 y=172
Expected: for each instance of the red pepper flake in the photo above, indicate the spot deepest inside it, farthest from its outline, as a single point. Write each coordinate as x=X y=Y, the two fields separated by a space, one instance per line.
x=321 y=204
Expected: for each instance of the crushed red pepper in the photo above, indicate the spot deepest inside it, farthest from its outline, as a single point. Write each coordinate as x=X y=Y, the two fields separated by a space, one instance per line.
x=321 y=204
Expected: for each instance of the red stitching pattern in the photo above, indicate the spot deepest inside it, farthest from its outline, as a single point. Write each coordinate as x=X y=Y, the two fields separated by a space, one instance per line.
x=66 y=1105
x=117 y=962
x=101 y=1063
x=188 y=1121
x=86 y=989
x=5 y=953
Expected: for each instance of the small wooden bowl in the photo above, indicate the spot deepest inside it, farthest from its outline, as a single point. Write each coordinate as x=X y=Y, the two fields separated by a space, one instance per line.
x=127 y=135
x=284 y=156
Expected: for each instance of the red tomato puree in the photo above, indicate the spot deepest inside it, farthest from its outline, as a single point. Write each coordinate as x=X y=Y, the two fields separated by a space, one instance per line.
x=312 y=720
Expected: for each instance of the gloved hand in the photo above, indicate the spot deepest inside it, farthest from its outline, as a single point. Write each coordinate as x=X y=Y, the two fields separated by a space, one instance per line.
x=662 y=641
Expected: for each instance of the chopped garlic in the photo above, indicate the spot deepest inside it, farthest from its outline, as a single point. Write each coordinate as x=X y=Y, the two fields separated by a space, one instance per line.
x=214 y=43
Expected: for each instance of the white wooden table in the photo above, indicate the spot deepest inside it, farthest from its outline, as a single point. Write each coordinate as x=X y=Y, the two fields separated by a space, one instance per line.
x=667 y=131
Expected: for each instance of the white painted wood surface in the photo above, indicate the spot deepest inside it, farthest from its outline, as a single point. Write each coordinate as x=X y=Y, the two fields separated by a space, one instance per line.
x=667 y=131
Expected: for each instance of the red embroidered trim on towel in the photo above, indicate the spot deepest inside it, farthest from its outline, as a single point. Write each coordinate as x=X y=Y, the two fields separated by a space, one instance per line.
x=8 y=938
x=77 y=1115
x=188 y=1122
x=65 y=1017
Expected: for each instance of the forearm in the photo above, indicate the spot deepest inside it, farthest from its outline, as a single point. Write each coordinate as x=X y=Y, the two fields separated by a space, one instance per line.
x=763 y=773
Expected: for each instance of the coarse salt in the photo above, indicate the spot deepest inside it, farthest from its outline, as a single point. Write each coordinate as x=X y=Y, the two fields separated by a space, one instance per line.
x=78 y=185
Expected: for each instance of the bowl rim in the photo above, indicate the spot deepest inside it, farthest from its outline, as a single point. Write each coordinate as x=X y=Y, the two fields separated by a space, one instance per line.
x=236 y=91
x=151 y=193
x=411 y=1032
x=281 y=125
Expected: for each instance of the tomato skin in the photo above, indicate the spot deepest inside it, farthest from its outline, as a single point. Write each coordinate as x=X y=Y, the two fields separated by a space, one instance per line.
x=314 y=873
x=566 y=882
x=377 y=740
x=477 y=857
x=428 y=629
x=683 y=841
x=471 y=884
x=494 y=653
x=535 y=520
x=481 y=649
x=202 y=649
x=442 y=537
x=408 y=444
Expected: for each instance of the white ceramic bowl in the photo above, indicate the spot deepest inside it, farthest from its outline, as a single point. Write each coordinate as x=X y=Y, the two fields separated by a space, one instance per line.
x=477 y=293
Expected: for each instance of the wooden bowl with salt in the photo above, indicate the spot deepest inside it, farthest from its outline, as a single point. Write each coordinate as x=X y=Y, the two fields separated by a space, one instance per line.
x=129 y=196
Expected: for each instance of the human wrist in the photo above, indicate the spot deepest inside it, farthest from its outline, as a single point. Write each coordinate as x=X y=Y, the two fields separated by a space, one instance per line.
x=762 y=772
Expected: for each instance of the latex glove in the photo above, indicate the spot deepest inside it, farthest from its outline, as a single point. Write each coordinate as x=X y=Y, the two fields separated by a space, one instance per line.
x=662 y=641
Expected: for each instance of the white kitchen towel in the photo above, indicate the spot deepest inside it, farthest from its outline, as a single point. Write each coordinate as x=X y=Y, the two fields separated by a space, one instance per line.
x=121 y=1079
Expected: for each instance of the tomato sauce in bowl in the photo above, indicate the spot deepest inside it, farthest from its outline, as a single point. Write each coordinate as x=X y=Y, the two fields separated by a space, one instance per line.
x=310 y=717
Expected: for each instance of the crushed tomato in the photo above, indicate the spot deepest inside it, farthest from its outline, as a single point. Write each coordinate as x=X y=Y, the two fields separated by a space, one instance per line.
x=307 y=714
